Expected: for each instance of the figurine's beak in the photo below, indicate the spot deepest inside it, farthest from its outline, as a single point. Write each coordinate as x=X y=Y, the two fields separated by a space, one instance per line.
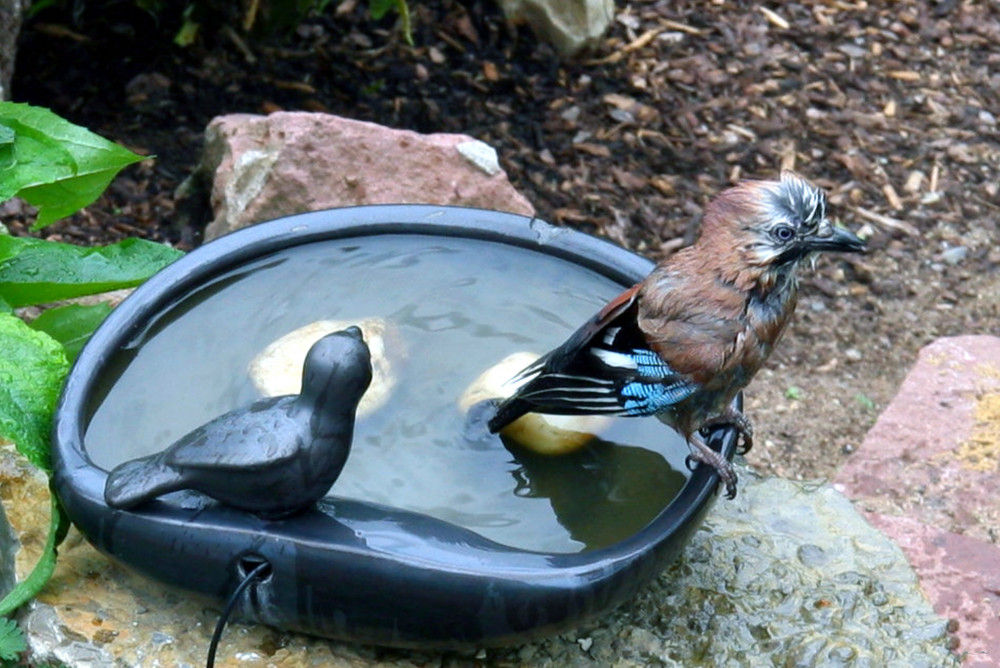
x=835 y=239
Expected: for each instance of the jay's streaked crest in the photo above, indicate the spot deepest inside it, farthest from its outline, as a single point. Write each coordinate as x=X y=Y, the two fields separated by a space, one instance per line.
x=683 y=342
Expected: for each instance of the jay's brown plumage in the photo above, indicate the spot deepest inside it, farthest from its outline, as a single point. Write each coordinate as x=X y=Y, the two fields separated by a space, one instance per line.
x=686 y=340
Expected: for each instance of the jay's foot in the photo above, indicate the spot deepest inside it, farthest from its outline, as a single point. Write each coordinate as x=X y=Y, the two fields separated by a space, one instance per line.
x=738 y=421
x=701 y=453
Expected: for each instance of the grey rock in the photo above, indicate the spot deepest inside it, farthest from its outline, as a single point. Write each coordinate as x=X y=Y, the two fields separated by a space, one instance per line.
x=571 y=26
x=52 y=641
x=8 y=548
x=11 y=15
x=788 y=574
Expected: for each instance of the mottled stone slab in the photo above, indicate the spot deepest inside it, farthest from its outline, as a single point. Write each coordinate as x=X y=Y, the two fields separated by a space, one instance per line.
x=787 y=574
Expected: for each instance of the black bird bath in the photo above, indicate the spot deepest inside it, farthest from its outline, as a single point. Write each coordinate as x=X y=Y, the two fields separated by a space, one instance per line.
x=438 y=542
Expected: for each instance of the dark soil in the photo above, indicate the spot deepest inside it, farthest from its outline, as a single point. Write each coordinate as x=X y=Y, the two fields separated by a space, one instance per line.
x=890 y=106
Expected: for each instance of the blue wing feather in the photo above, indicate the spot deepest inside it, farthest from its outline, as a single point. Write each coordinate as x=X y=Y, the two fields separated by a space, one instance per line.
x=604 y=368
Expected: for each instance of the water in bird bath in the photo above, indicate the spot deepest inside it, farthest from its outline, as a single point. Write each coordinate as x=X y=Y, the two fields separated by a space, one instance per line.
x=454 y=307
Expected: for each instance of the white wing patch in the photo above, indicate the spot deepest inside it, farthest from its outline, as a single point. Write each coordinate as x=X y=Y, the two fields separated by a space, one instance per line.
x=617 y=360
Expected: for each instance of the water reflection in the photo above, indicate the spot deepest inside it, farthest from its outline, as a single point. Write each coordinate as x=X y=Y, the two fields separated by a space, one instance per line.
x=600 y=494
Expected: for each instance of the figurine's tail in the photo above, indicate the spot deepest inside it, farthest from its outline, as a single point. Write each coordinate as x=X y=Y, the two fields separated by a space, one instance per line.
x=140 y=480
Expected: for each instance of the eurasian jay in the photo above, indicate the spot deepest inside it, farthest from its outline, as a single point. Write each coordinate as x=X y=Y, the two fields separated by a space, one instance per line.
x=683 y=342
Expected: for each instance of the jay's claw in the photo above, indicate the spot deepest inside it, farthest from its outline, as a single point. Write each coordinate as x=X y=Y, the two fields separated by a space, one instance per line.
x=701 y=453
x=738 y=421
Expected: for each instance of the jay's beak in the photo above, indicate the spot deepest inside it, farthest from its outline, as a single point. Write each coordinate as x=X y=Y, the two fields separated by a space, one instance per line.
x=836 y=239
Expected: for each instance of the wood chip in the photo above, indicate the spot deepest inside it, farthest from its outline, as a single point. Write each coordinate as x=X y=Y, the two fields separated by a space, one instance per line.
x=490 y=71
x=664 y=184
x=913 y=182
x=904 y=75
x=619 y=101
x=639 y=42
x=774 y=18
x=436 y=56
x=599 y=150
x=886 y=221
x=892 y=196
x=680 y=27
x=56 y=30
x=299 y=86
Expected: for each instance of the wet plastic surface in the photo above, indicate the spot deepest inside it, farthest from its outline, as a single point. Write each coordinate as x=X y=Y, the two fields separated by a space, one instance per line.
x=354 y=570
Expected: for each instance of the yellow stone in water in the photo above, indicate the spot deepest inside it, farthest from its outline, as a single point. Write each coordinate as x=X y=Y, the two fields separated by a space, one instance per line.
x=544 y=434
x=277 y=370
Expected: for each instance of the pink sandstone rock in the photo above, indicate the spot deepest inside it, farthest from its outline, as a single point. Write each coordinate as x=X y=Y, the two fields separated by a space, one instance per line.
x=263 y=167
x=961 y=577
x=928 y=474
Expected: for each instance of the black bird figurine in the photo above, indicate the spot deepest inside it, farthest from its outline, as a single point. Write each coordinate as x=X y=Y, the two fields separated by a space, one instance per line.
x=274 y=458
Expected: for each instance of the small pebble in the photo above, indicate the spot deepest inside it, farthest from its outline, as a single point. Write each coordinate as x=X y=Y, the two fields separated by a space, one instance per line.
x=481 y=154
x=955 y=254
x=572 y=114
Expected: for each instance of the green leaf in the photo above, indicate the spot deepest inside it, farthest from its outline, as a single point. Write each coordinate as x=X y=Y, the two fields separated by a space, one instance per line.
x=187 y=34
x=71 y=325
x=33 y=271
x=11 y=640
x=55 y=165
x=32 y=369
x=28 y=588
x=380 y=8
x=865 y=401
x=6 y=147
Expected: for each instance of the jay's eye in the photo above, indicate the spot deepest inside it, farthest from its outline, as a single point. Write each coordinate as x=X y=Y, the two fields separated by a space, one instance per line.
x=783 y=233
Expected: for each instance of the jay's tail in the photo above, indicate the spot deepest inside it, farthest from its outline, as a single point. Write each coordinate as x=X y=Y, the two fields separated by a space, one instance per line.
x=506 y=412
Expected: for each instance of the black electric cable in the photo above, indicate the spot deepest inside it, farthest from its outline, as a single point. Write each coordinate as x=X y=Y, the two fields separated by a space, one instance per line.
x=258 y=571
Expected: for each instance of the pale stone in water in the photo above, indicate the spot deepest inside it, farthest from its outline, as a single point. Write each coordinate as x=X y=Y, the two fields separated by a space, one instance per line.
x=545 y=434
x=277 y=370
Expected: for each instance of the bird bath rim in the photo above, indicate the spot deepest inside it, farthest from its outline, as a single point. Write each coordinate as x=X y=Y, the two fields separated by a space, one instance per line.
x=471 y=590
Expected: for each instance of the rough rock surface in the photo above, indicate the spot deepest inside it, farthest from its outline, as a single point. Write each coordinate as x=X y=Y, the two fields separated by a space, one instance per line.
x=788 y=574
x=11 y=14
x=263 y=167
x=571 y=26
x=927 y=474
